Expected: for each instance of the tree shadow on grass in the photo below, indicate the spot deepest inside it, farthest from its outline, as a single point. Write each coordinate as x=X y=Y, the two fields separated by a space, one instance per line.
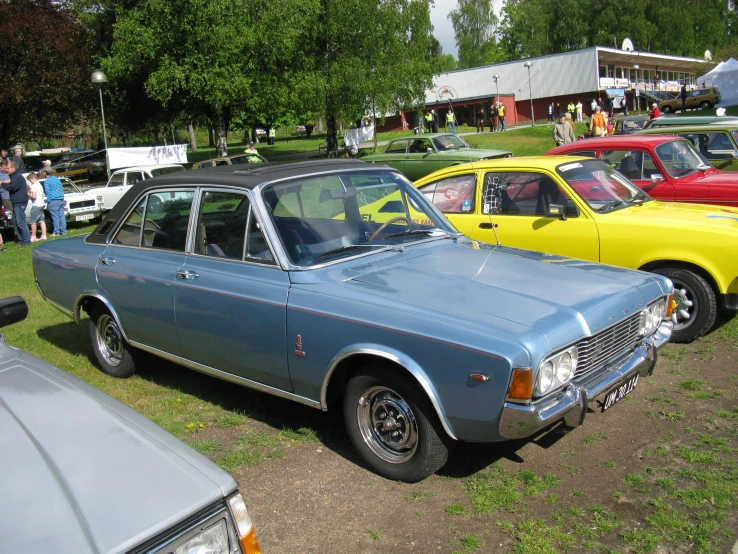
x=270 y=410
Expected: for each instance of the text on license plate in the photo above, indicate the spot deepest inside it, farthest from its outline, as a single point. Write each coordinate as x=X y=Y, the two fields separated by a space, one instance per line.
x=83 y=217
x=617 y=394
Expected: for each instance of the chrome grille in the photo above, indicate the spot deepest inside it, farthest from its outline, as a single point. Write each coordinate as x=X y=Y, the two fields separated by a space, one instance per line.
x=613 y=342
x=81 y=204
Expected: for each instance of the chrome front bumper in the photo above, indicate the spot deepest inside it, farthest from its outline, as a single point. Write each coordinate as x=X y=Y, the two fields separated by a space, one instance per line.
x=570 y=404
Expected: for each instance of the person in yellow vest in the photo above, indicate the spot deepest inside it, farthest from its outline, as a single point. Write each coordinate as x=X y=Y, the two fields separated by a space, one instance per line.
x=428 y=122
x=272 y=135
x=251 y=149
x=571 y=108
x=501 y=116
x=450 y=122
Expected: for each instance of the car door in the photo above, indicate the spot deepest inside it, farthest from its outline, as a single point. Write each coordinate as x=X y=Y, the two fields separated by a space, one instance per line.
x=113 y=190
x=138 y=268
x=640 y=167
x=421 y=159
x=395 y=154
x=715 y=146
x=230 y=296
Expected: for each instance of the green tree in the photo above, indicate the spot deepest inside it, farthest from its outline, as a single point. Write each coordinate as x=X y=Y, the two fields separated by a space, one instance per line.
x=46 y=70
x=367 y=56
x=526 y=29
x=475 y=27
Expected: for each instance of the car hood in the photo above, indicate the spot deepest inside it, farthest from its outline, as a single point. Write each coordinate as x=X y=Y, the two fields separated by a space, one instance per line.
x=499 y=289
x=81 y=473
x=680 y=215
x=715 y=177
x=473 y=153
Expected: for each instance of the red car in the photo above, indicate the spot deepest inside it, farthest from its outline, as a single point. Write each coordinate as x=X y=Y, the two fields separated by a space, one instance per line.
x=667 y=167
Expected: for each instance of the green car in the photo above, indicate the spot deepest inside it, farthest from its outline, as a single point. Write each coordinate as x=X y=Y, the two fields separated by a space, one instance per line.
x=671 y=120
x=717 y=142
x=419 y=155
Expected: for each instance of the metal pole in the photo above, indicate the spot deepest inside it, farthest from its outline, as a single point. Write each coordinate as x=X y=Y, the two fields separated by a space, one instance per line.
x=530 y=92
x=105 y=132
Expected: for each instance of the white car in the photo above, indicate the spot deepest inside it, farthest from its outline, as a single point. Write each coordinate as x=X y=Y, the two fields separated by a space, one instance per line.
x=123 y=179
x=79 y=204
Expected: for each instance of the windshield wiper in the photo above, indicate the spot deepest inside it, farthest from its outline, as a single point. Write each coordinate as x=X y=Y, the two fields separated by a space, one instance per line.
x=346 y=248
x=609 y=205
x=431 y=232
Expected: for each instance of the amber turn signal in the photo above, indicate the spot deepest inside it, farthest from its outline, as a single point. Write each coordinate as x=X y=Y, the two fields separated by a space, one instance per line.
x=521 y=385
x=250 y=543
x=670 y=306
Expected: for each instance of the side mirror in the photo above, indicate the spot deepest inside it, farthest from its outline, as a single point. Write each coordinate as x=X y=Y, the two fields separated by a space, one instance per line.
x=12 y=310
x=557 y=210
x=429 y=149
x=656 y=177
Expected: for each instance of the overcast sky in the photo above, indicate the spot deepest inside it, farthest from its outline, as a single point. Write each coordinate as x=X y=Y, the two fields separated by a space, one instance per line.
x=442 y=28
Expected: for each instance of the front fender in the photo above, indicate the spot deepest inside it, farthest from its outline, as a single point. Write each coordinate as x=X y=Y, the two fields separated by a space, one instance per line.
x=400 y=358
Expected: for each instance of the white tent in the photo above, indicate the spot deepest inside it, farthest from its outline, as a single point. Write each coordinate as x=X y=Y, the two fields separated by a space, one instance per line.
x=724 y=77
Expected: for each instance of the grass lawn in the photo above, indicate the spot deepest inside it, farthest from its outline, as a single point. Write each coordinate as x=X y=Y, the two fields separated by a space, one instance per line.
x=527 y=141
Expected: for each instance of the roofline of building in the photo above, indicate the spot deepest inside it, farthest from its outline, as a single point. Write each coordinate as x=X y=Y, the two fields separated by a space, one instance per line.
x=649 y=55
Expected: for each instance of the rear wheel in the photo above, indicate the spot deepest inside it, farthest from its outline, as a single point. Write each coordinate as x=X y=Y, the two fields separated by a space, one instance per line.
x=705 y=105
x=667 y=109
x=393 y=426
x=112 y=352
x=696 y=308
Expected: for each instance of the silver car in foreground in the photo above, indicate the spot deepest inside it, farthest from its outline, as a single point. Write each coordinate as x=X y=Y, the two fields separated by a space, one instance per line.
x=82 y=473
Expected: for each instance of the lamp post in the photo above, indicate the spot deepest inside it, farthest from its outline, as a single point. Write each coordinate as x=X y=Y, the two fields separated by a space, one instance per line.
x=98 y=78
x=497 y=86
x=636 y=95
x=530 y=92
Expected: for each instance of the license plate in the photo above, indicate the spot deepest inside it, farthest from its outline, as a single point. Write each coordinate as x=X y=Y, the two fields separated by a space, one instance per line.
x=617 y=394
x=83 y=217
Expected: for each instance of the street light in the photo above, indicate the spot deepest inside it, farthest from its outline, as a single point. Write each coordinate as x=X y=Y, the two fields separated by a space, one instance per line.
x=98 y=78
x=497 y=86
x=636 y=95
x=530 y=92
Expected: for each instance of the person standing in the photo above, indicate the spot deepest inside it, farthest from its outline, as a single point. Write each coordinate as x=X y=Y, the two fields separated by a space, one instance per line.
x=598 y=123
x=594 y=105
x=36 y=194
x=683 y=96
x=493 y=118
x=4 y=155
x=55 y=201
x=562 y=132
x=272 y=135
x=578 y=108
x=429 y=122
x=435 y=120
x=18 y=190
x=480 y=121
x=501 y=116
x=557 y=111
x=450 y=121
x=551 y=112
x=570 y=121
x=18 y=159
x=571 y=109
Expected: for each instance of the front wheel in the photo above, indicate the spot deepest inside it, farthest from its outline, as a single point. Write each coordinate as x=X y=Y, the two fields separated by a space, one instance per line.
x=113 y=354
x=393 y=427
x=696 y=307
x=667 y=109
x=705 y=105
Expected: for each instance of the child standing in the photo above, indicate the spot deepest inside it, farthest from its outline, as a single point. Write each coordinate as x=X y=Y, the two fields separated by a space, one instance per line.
x=36 y=194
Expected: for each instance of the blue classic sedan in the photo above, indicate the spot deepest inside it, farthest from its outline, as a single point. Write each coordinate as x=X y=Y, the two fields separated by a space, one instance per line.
x=338 y=283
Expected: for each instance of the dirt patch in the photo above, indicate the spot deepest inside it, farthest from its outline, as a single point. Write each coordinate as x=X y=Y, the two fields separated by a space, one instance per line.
x=657 y=473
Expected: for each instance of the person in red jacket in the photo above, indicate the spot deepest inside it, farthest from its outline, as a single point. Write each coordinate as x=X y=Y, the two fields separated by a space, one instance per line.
x=655 y=112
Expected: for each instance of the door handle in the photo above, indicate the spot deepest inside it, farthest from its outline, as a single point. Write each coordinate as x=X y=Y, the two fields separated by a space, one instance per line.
x=186 y=274
x=486 y=225
x=106 y=260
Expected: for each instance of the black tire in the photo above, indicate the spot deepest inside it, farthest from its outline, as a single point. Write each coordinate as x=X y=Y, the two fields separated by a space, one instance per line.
x=414 y=446
x=705 y=105
x=695 y=298
x=113 y=354
x=667 y=109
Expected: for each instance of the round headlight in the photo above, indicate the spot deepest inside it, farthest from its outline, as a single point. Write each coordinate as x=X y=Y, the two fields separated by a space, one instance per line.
x=565 y=367
x=546 y=378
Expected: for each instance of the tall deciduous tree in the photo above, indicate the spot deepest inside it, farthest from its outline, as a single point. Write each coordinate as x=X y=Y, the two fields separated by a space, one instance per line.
x=46 y=69
x=368 y=56
x=475 y=27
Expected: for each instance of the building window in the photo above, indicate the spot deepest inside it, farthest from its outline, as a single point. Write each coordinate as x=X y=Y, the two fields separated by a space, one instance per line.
x=603 y=71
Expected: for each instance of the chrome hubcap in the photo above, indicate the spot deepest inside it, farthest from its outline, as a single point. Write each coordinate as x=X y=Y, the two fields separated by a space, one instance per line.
x=686 y=306
x=109 y=340
x=387 y=425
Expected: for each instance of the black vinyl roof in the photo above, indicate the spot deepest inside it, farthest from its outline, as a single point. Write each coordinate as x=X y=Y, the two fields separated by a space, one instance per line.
x=245 y=176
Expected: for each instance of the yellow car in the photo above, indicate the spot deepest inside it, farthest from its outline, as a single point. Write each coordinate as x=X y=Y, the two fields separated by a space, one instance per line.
x=581 y=208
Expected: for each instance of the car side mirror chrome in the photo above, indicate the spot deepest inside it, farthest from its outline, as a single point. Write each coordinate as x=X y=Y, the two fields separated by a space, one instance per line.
x=429 y=150
x=12 y=310
x=656 y=177
x=557 y=210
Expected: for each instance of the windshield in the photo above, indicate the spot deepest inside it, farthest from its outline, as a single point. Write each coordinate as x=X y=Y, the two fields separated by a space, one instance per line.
x=680 y=158
x=247 y=159
x=735 y=135
x=603 y=188
x=449 y=142
x=165 y=170
x=329 y=217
